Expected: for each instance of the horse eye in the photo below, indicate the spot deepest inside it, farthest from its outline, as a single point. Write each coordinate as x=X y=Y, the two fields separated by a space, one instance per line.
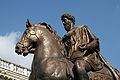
x=32 y=32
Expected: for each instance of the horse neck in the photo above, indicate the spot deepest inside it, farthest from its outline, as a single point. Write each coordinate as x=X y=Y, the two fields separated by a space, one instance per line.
x=48 y=46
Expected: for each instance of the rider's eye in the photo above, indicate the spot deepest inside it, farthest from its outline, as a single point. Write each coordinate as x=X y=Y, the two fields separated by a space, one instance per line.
x=63 y=22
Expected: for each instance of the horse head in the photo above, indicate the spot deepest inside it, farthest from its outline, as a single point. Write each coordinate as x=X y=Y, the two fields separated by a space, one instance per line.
x=27 y=42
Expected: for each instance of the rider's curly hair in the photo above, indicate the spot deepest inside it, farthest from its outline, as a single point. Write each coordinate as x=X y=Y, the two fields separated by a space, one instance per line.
x=68 y=16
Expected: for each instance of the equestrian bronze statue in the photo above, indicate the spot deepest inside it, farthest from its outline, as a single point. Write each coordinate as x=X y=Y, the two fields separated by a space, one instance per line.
x=58 y=58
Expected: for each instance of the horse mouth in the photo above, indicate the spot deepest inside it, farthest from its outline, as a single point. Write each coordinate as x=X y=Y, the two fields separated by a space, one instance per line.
x=25 y=52
x=20 y=50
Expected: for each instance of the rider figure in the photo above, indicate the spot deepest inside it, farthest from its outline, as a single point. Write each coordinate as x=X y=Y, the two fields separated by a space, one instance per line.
x=82 y=48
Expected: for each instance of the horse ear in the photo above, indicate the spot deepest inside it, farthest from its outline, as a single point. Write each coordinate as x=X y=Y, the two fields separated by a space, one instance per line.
x=28 y=23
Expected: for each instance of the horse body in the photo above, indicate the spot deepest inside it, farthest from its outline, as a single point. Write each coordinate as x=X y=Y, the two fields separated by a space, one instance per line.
x=49 y=63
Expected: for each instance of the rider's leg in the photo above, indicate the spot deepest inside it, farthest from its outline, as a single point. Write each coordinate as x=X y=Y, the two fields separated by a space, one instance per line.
x=79 y=70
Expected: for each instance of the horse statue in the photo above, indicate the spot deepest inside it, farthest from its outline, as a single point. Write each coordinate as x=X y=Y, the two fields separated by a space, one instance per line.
x=49 y=62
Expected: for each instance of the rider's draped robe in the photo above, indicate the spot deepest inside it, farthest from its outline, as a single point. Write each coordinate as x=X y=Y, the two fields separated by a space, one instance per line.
x=79 y=36
x=82 y=35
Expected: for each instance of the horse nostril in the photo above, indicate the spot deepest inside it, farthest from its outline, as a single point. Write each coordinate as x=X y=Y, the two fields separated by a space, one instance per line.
x=18 y=48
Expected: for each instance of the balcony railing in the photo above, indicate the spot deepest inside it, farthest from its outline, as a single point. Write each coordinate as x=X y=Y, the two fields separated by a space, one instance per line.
x=14 y=67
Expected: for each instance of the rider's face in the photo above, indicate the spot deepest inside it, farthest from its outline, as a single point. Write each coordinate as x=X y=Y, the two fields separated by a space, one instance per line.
x=67 y=24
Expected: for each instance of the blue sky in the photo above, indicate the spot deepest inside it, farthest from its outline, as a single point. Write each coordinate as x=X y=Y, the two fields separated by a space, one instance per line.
x=101 y=16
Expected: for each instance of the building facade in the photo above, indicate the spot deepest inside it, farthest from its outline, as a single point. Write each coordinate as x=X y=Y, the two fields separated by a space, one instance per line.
x=11 y=71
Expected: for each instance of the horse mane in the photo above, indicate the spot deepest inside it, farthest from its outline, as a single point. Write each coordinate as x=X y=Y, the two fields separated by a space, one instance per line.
x=49 y=28
x=58 y=38
x=53 y=32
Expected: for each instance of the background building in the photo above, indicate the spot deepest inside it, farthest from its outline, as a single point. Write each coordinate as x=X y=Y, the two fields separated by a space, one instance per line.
x=11 y=71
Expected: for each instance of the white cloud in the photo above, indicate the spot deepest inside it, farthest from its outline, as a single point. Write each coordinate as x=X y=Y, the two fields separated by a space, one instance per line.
x=7 y=50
